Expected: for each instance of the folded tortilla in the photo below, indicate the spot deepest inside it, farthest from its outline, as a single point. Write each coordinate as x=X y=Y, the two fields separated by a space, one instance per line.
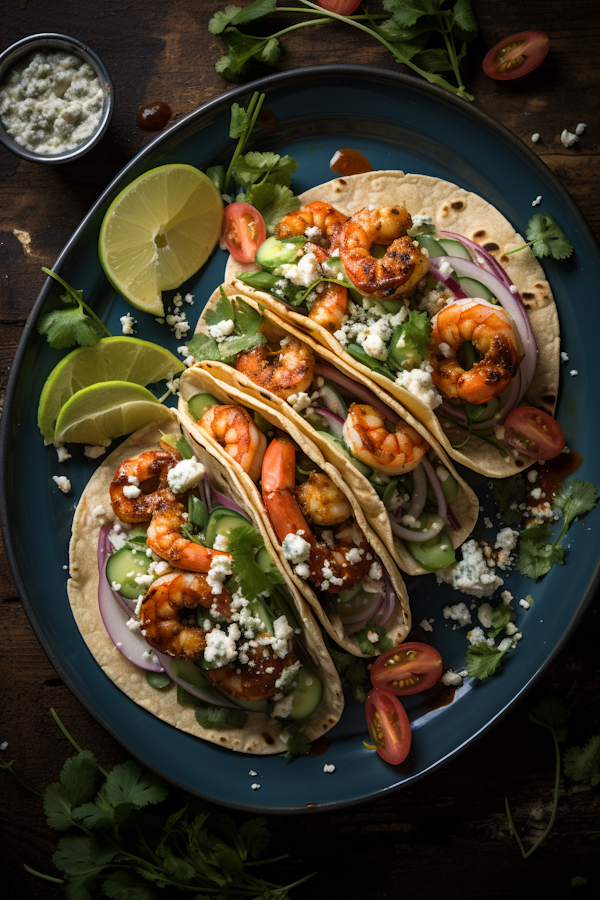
x=261 y=735
x=200 y=380
x=466 y=213
x=465 y=507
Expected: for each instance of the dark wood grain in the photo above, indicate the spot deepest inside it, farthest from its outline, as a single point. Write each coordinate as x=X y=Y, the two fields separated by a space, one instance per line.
x=446 y=836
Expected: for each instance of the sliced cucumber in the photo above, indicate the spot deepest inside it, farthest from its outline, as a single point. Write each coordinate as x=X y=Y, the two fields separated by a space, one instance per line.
x=474 y=288
x=281 y=607
x=158 y=680
x=434 y=554
x=454 y=248
x=392 y=306
x=352 y=601
x=333 y=266
x=222 y=521
x=491 y=408
x=262 y=423
x=307 y=692
x=360 y=355
x=199 y=403
x=432 y=245
x=449 y=484
x=402 y=350
x=341 y=447
x=273 y=252
x=123 y=567
x=189 y=671
x=389 y=493
x=333 y=401
x=260 y=609
x=260 y=706
x=264 y=561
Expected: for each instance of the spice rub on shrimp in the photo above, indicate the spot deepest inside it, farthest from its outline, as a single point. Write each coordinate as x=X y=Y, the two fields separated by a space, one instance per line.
x=317 y=215
x=489 y=330
x=368 y=438
x=255 y=679
x=399 y=270
x=330 y=307
x=233 y=428
x=168 y=614
x=284 y=372
x=340 y=559
x=165 y=538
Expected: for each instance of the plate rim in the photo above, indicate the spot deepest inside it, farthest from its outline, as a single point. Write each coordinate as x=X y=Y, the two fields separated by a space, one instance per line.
x=267 y=84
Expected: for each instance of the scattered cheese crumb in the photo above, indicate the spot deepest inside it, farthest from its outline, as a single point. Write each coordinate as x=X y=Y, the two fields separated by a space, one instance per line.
x=580 y=128
x=535 y=137
x=252 y=773
x=328 y=768
x=525 y=604
x=451 y=679
x=424 y=624
x=256 y=787
x=62 y=482
x=564 y=356
x=537 y=200
x=568 y=139
x=127 y=323
x=573 y=372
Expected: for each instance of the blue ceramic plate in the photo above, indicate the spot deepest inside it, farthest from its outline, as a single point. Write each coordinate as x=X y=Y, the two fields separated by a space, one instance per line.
x=398 y=123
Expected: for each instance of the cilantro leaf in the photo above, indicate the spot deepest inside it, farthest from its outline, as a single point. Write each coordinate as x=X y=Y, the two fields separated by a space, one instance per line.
x=284 y=201
x=77 y=785
x=536 y=554
x=243 y=48
x=223 y=310
x=462 y=14
x=128 y=783
x=247 y=319
x=255 y=835
x=546 y=238
x=410 y=340
x=575 y=498
x=231 y=346
x=239 y=120
x=551 y=713
x=500 y=619
x=221 y=19
x=237 y=15
x=583 y=764
x=217 y=176
x=258 y=195
x=220 y=716
x=201 y=346
x=483 y=661
x=82 y=858
x=406 y=12
x=299 y=743
x=197 y=512
x=352 y=670
x=383 y=642
x=434 y=60
x=243 y=542
x=509 y=492
x=126 y=884
x=184 y=448
x=75 y=324
x=254 y=166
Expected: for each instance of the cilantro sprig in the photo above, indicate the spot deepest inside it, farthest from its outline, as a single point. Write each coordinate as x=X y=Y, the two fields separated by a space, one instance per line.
x=546 y=238
x=125 y=835
x=244 y=336
x=428 y=36
x=243 y=543
x=73 y=322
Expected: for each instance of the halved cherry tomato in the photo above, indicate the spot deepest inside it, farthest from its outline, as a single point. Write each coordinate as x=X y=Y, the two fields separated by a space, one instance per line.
x=516 y=55
x=388 y=726
x=341 y=7
x=244 y=230
x=534 y=433
x=407 y=669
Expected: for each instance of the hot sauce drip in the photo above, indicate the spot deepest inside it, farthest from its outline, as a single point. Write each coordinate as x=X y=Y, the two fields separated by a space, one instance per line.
x=550 y=478
x=267 y=118
x=319 y=746
x=349 y=162
x=153 y=116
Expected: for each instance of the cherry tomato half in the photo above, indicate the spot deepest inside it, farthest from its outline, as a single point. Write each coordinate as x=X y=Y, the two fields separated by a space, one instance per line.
x=407 y=669
x=244 y=231
x=534 y=432
x=516 y=55
x=341 y=7
x=388 y=725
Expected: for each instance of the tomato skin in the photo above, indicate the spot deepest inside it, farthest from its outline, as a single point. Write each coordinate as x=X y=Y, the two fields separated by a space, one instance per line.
x=388 y=725
x=244 y=230
x=418 y=664
x=503 y=64
x=534 y=433
x=341 y=7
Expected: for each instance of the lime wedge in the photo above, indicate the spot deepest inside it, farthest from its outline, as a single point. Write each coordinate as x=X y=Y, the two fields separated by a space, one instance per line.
x=111 y=359
x=159 y=231
x=108 y=410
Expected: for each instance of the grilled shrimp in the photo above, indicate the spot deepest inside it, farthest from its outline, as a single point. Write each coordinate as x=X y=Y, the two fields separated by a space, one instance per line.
x=370 y=441
x=489 y=329
x=165 y=538
x=399 y=270
x=333 y=565
x=330 y=307
x=286 y=371
x=168 y=614
x=256 y=679
x=147 y=470
x=233 y=428
x=315 y=215
x=321 y=501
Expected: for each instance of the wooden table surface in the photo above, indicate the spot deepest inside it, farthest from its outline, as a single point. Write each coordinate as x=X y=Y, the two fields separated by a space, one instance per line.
x=446 y=836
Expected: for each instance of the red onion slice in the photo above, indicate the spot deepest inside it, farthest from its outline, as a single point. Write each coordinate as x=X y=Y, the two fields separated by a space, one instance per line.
x=437 y=487
x=415 y=536
x=359 y=391
x=447 y=280
x=366 y=613
x=419 y=494
x=130 y=643
x=334 y=422
x=482 y=258
x=210 y=695
x=384 y=613
x=452 y=519
x=225 y=501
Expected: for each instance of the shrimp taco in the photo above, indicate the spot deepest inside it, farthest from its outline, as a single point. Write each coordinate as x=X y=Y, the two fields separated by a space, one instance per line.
x=174 y=580
x=337 y=561
x=408 y=489
x=409 y=279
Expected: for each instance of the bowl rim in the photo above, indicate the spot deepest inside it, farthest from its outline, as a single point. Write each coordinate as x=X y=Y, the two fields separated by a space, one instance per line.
x=16 y=51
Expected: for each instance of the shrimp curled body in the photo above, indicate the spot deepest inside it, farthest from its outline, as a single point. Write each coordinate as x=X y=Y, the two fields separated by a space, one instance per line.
x=284 y=372
x=370 y=441
x=254 y=680
x=399 y=270
x=330 y=307
x=314 y=215
x=334 y=564
x=233 y=428
x=168 y=614
x=489 y=330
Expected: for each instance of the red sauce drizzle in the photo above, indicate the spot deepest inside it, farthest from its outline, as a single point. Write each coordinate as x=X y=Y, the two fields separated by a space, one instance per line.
x=153 y=116
x=551 y=476
x=267 y=118
x=349 y=162
x=319 y=747
x=439 y=695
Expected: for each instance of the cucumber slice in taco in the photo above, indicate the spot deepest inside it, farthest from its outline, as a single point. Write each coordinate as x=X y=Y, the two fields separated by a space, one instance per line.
x=218 y=618
x=407 y=279
x=325 y=543
x=394 y=467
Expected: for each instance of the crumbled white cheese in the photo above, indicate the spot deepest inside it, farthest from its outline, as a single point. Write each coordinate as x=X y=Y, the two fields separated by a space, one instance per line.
x=472 y=574
x=537 y=200
x=295 y=548
x=532 y=475
x=418 y=220
x=375 y=347
x=282 y=708
x=61 y=451
x=580 y=128
x=418 y=382
x=221 y=330
x=185 y=475
x=506 y=539
x=424 y=624
x=220 y=569
x=283 y=632
x=573 y=372
x=476 y=636
x=511 y=629
x=299 y=401
x=506 y=597
x=451 y=679
x=305 y=272
x=131 y=491
x=132 y=624
x=127 y=322
x=312 y=232
x=535 y=137
x=287 y=675
x=220 y=647
x=376 y=572
x=93 y=451
x=499 y=432
x=221 y=542
x=564 y=356
x=302 y=570
x=484 y=614
x=525 y=604
x=459 y=613
x=62 y=482
x=373 y=636
x=446 y=269
x=568 y=139
x=329 y=768
x=256 y=787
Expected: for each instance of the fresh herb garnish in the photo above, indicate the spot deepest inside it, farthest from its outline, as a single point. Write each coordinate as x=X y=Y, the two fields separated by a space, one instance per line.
x=243 y=542
x=119 y=848
x=473 y=412
x=429 y=36
x=299 y=742
x=382 y=644
x=483 y=661
x=352 y=670
x=500 y=618
x=508 y=494
x=72 y=323
x=546 y=238
x=583 y=763
x=244 y=336
x=184 y=448
x=220 y=717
